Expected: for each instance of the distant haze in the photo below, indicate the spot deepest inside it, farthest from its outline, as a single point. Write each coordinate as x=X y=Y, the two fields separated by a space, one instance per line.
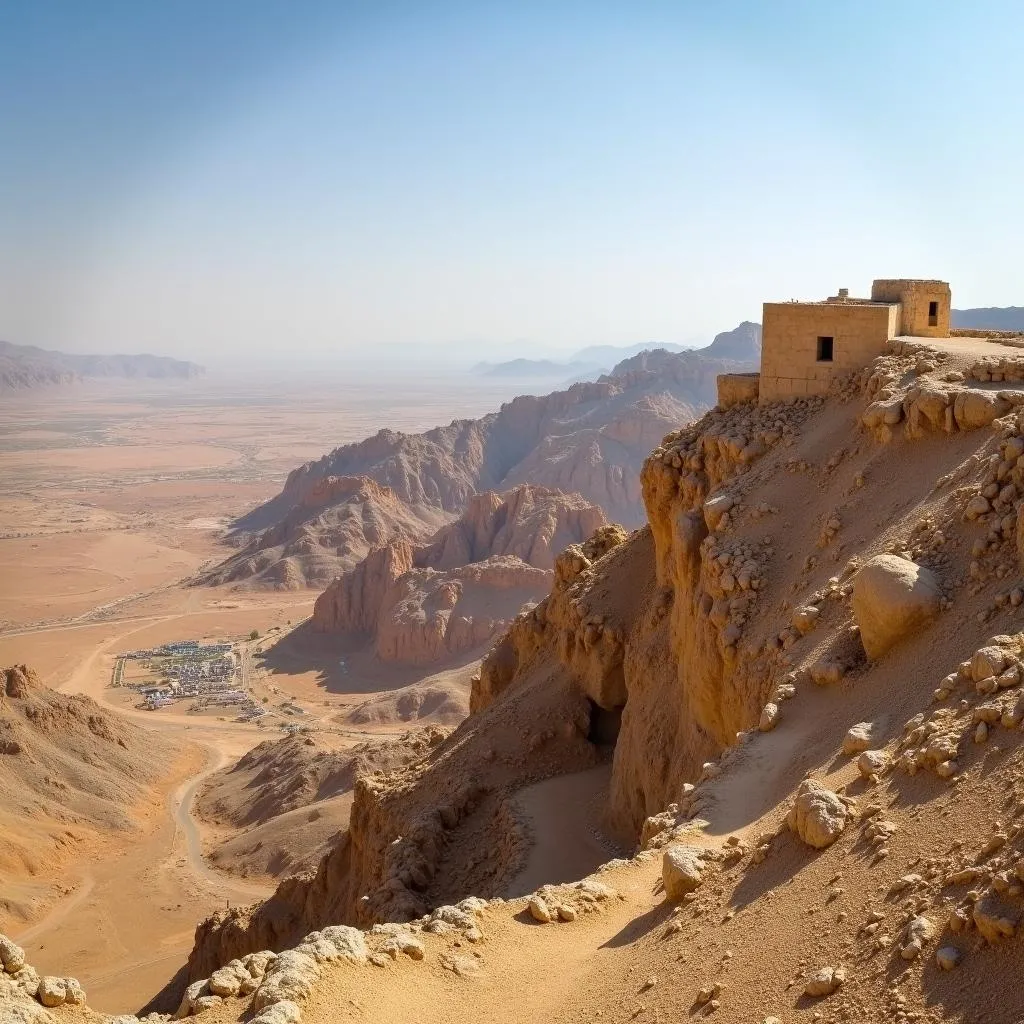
x=404 y=182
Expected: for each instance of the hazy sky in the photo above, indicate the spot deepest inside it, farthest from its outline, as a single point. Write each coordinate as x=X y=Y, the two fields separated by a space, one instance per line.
x=489 y=179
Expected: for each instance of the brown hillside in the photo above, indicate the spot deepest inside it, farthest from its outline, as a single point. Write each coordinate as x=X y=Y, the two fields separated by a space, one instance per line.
x=294 y=794
x=69 y=771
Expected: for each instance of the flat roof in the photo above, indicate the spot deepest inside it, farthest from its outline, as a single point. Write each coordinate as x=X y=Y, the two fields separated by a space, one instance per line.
x=831 y=302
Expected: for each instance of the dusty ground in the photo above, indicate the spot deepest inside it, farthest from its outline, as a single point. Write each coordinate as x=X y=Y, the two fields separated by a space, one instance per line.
x=113 y=495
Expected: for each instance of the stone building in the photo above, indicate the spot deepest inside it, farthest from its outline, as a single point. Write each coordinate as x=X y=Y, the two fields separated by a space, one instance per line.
x=805 y=344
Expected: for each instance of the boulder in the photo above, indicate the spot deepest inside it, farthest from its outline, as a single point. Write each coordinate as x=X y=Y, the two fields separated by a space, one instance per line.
x=858 y=738
x=892 y=598
x=539 y=910
x=973 y=409
x=872 y=763
x=52 y=991
x=715 y=508
x=12 y=957
x=817 y=816
x=682 y=871
x=284 y=1012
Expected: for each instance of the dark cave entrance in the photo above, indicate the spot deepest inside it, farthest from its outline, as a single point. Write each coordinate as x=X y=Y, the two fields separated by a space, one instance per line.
x=605 y=724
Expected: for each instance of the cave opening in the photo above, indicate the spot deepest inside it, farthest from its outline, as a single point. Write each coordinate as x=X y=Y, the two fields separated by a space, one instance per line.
x=605 y=724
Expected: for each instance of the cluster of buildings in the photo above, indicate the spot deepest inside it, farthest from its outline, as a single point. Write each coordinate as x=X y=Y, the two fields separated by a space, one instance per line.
x=189 y=670
x=805 y=345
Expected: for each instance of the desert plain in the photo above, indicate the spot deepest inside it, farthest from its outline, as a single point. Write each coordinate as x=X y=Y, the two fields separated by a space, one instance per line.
x=115 y=494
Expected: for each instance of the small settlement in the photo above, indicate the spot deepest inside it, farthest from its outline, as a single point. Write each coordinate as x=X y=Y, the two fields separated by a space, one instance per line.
x=205 y=674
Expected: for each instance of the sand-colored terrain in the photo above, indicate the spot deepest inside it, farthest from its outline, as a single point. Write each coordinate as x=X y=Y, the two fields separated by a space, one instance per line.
x=115 y=494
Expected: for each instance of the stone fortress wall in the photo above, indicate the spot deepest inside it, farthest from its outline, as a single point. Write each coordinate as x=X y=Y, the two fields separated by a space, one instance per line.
x=790 y=364
x=805 y=345
x=924 y=306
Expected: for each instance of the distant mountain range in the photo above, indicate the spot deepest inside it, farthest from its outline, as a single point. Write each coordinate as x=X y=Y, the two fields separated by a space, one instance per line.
x=586 y=364
x=25 y=366
x=989 y=318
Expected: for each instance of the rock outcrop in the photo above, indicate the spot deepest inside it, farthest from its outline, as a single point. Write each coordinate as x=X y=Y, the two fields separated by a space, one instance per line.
x=454 y=593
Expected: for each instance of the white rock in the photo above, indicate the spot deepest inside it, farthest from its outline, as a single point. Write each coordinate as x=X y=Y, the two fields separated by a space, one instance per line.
x=291 y=976
x=284 y=1012
x=682 y=871
x=858 y=738
x=947 y=957
x=539 y=910
x=228 y=979
x=12 y=957
x=769 y=717
x=715 y=508
x=825 y=981
x=893 y=598
x=872 y=762
x=51 y=991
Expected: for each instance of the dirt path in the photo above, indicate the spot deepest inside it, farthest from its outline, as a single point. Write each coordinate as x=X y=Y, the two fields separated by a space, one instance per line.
x=184 y=799
x=563 y=814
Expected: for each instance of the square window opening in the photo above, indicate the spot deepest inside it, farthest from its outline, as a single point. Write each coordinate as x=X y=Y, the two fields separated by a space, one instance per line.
x=933 y=314
x=825 y=346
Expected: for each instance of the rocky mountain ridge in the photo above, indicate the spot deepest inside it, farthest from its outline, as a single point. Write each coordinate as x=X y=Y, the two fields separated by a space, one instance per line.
x=590 y=438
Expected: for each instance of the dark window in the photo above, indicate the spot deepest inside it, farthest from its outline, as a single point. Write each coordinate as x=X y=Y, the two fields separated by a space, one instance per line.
x=933 y=314
x=824 y=349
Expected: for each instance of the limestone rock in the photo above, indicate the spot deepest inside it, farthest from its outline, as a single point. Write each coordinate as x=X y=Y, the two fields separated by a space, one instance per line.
x=893 y=597
x=291 y=976
x=817 y=816
x=228 y=980
x=283 y=1012
x=539 y=910
x=918 y=932
x=825 y=981
x=872 y=763
x=52 y=991
x=858 y=738
x=682 y=871
x=715 y=508
x=769 y=717
x=12 y=957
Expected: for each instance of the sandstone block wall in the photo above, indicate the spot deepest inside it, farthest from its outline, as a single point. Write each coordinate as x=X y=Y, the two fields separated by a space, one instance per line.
x=789 y=354
x=734 y=388
x=915 y=298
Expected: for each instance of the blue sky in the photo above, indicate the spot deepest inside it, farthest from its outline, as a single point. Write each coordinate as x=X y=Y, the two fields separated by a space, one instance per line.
x=480 y=180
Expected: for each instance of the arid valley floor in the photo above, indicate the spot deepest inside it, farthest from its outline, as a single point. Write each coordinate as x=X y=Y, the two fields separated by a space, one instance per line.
x=114 y=495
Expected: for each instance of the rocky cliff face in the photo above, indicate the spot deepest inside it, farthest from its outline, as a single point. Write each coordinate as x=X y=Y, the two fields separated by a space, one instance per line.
x=454 y=593
x=589 y=439
x=680 y=641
